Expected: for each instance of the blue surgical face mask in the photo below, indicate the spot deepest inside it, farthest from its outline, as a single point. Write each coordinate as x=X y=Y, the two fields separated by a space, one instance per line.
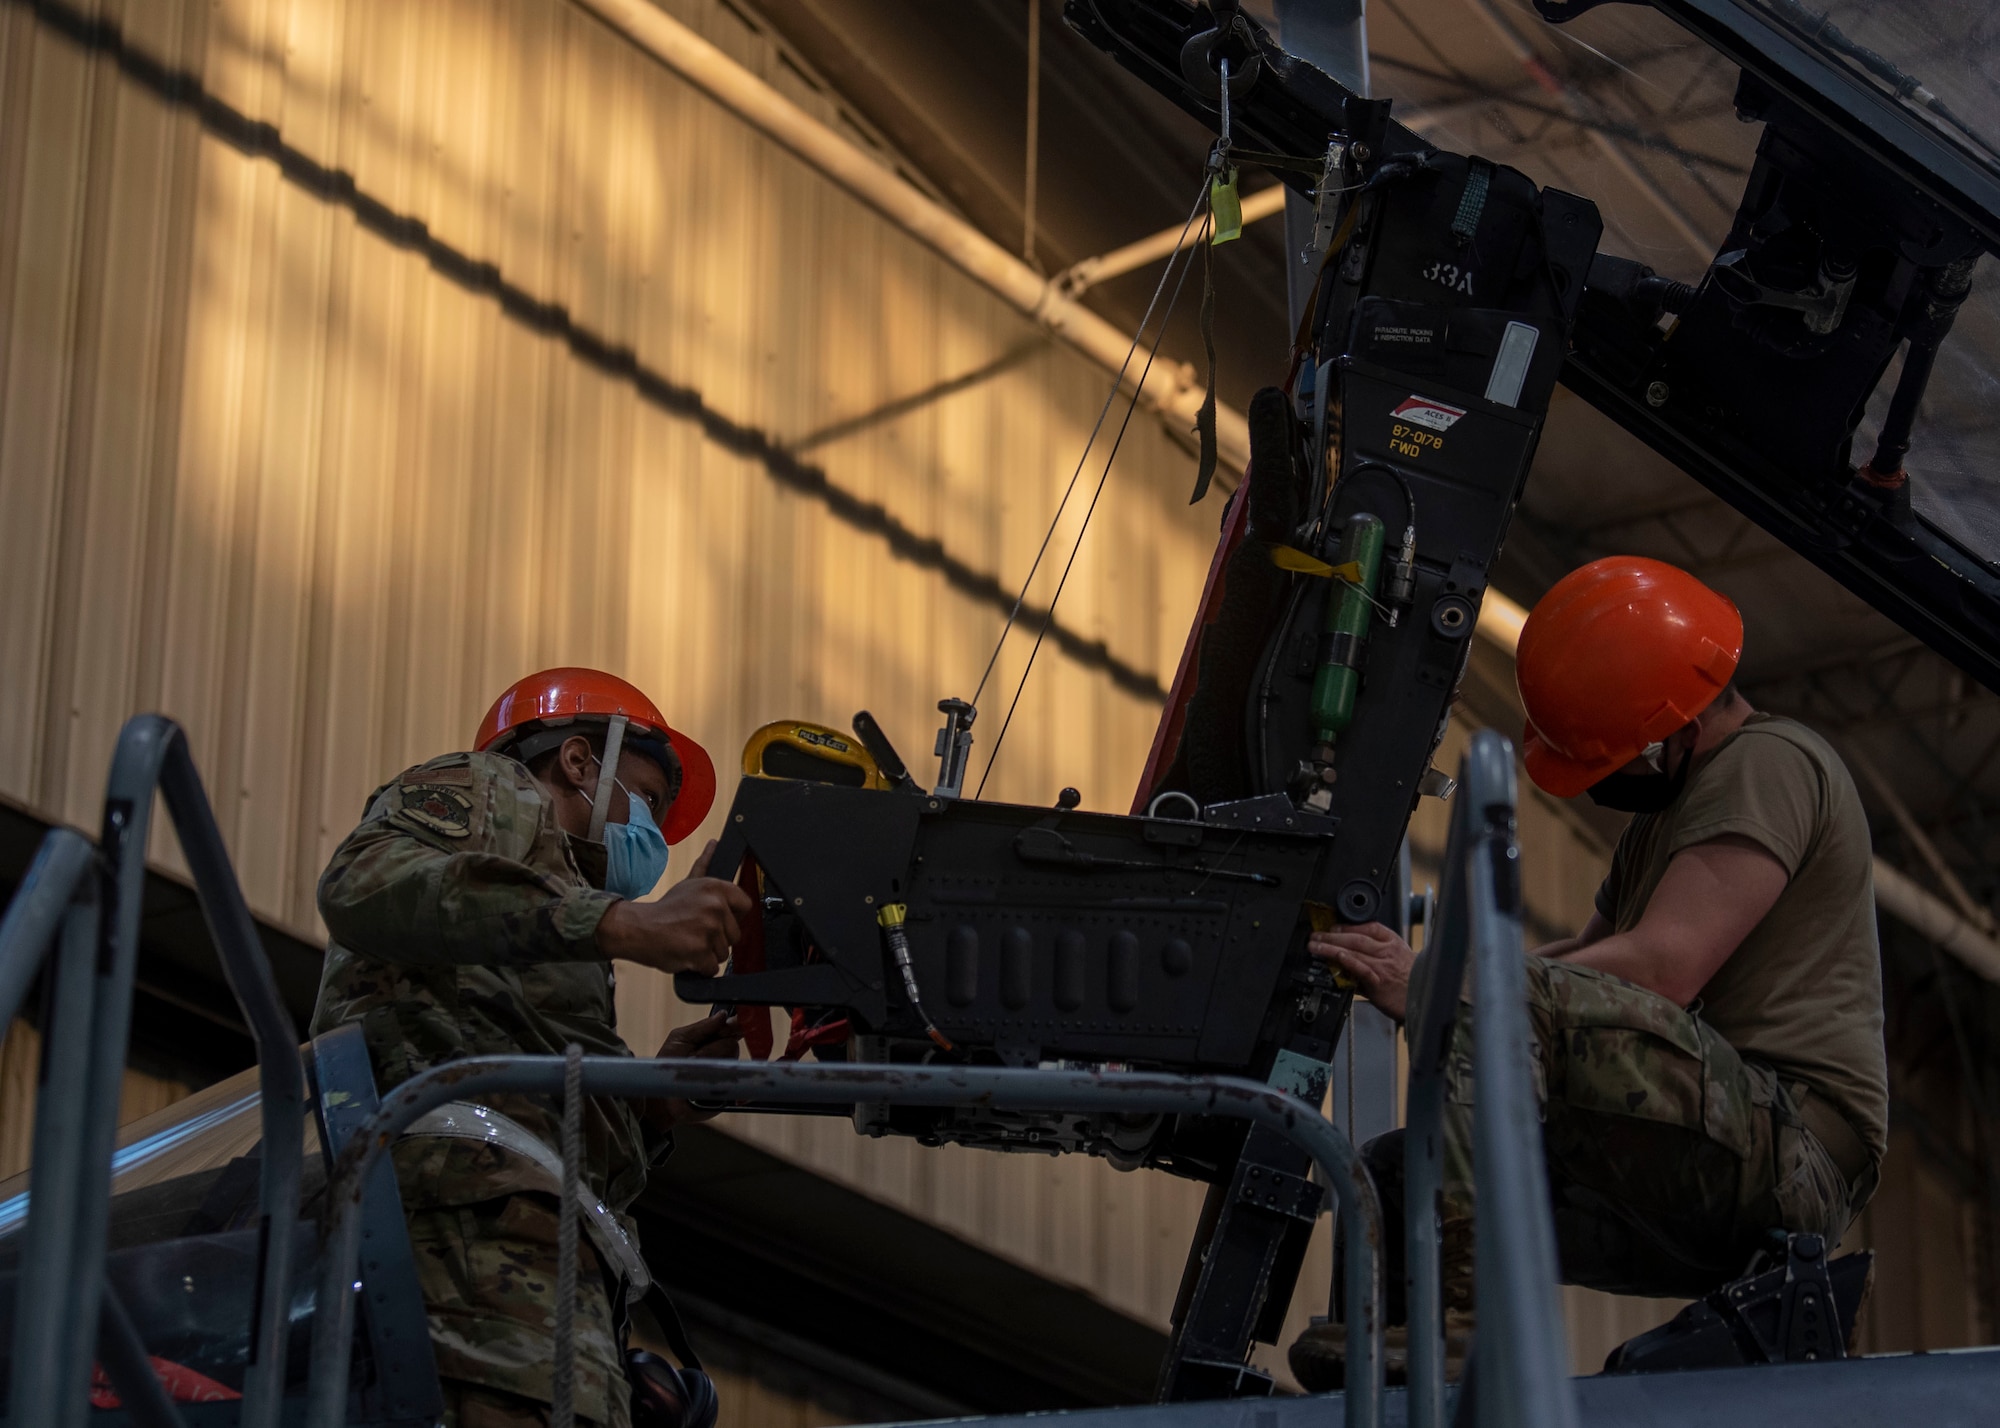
x=635 y=851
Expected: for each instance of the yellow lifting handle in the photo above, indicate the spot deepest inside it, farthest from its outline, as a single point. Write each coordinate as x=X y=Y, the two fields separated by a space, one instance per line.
x=1321 y=917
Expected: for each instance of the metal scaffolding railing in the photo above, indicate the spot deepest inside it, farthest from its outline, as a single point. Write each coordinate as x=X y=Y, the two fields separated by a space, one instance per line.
x=86 y=903
x=995 y=1087
x=1522 y=1373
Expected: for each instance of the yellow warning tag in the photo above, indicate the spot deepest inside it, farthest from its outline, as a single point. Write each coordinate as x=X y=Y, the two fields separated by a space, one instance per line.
x=1227 y=206
x=1286 y=557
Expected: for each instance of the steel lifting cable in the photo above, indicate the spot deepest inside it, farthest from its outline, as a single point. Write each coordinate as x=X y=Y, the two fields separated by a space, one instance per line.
x=1097 y=427
x=1048 y=616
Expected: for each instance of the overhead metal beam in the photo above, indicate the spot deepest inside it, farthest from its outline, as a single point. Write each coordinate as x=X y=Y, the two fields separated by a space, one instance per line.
x=1500 y=621
x=1170 y=388
x=1089 y=272
x=1979 y=917
x=1473 y=99
x=1900 y=896
x=1679 y=506
x=1893 y=717
x=1827 y=664
x=1574 y=104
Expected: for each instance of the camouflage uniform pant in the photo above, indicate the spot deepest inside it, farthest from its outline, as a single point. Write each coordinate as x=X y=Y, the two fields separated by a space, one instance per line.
x=488 y=1273
x=1669 y=1155
x=467 y=1405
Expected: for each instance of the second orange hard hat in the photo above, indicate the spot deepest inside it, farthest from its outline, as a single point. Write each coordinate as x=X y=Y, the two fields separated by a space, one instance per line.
x=1618 y=655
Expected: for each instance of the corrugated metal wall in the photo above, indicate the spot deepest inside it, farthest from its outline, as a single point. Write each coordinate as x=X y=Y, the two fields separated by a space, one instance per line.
x=359 y=356
x=320 y=494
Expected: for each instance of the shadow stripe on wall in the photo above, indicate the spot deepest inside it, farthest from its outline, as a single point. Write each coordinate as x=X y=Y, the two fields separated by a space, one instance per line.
x=259 y=139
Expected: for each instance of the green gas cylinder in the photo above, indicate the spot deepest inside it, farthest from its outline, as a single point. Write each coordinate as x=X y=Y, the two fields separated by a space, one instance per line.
x=1344 y=638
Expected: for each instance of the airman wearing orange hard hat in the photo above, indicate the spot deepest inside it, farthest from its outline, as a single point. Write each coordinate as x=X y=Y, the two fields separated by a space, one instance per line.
x=1710 y=1043
x=1618 y=657
x=476 y=910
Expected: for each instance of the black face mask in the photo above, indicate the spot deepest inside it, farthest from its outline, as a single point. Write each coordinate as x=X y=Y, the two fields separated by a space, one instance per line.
x=1641 y=793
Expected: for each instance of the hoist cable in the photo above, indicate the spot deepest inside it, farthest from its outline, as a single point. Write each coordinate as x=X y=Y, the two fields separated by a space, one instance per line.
x=1048 y=617
x=1083 y=457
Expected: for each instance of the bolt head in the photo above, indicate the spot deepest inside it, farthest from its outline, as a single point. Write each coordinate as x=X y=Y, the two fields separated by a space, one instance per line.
x=1657 y=394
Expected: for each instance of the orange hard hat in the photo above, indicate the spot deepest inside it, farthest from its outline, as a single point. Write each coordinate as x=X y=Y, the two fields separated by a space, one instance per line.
x=1618 y=655
x=548 y=702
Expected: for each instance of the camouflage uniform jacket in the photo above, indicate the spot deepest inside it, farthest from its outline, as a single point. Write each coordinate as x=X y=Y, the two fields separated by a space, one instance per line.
x=464 y=923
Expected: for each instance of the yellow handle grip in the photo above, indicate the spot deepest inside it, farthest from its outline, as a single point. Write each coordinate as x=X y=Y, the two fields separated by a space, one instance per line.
x=1322 y=919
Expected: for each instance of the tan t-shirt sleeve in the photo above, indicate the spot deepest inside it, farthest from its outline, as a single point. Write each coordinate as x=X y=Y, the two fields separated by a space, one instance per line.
x=1612 y=888
x=1760 y=787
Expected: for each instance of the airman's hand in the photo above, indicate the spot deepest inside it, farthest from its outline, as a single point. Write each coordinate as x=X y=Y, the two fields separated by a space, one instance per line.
x=717 y=1035
x=1375 y=957
x=689 y=929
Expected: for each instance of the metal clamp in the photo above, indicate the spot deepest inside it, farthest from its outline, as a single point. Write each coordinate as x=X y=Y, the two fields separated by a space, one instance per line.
x=1347 y=650
x=1296 y=1197
x=953 y=746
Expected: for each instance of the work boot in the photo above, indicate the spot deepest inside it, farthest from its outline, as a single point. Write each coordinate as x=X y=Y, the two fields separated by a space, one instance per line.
x=1319 y=1355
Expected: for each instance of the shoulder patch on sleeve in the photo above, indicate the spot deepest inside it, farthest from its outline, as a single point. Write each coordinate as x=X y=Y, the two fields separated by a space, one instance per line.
x=510 y=812
x=446 y=771
x=434 y=807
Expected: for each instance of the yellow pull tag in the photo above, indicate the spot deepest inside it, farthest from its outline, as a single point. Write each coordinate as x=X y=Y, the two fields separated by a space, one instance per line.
x=1287 y=558
x=1321 y=918
x=1227 y=205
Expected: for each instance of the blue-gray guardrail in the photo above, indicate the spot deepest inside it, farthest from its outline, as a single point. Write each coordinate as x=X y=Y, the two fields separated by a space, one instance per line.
x=827 y=1084
x=1523 y=1369
x=89 y=901
x=1523 y=1377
